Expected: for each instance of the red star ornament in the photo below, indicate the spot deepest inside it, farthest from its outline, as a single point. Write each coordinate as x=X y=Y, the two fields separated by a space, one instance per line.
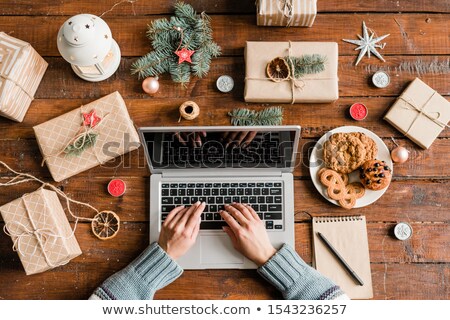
x=91 y=119
x=184 y=55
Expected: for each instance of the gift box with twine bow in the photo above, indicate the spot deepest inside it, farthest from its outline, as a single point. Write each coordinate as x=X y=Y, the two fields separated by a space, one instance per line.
x=286 y=13
x=420 y=113
x=21 y=72
x=291 y=72
x=40 y=231
x=87 y=137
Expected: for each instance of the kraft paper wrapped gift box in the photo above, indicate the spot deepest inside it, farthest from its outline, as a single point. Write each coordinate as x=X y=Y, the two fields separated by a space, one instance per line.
x=314 y=88
x=40 y=231
x=114 y=130
x=420 y=113
x=286 y=13
x=21 y=72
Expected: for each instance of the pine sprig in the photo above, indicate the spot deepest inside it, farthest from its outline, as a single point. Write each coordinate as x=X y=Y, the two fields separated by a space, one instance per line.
x=81 y=144
x=272 y=116
x=165 y=39
x=306 y=64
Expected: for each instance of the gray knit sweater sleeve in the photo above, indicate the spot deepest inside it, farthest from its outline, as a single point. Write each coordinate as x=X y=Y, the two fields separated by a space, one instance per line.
x=296 y=279
x=154 y=269
x=151 y=271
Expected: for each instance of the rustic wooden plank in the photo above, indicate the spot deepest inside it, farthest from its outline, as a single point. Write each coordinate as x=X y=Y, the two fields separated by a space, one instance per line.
x=427 y=245
x=142 y=7
x=315 y=120
x=60 y=82
x=101 y=259
x=410 y=33
x=25 y=156
x=410 y=281
x=409 y=200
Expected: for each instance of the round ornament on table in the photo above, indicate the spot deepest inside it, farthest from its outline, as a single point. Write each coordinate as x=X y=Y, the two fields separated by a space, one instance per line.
x=225 y=83
x=150 y=85
x=381 y=79
x=358 y=111
x=399 y=154
x=117 y=187
x=403 y=231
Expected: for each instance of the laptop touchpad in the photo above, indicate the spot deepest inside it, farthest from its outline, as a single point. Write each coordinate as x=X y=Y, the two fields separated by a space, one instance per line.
x=218 y=249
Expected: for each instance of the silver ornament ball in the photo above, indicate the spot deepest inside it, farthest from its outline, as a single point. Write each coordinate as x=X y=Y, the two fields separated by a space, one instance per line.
x=150 y=85
x=399 y=154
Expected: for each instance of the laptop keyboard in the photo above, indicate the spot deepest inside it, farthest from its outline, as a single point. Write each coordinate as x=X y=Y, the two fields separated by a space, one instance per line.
x=266 y=198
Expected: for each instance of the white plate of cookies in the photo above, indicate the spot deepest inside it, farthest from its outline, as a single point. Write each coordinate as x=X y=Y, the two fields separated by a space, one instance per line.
x=351 y=167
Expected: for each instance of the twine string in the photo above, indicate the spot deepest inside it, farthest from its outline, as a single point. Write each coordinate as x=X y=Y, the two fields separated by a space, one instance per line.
x=7 y=78
x=412 y=105
x=194 y=113
x=42 y=236
x=25 y=177
x=287 y=8
x=82 y=133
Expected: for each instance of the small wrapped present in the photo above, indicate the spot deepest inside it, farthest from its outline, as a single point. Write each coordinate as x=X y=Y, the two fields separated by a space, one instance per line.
x=420 y=113
x=40 y=231
x=87 y=136
x=290 y=72
x=286 y=13
x=21 y=72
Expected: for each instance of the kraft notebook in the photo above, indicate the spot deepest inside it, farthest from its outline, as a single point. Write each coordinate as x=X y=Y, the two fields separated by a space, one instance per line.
x=348 y=235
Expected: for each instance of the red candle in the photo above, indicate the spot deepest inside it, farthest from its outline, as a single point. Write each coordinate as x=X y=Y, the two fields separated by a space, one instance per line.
x=116 y=187
x=358 y=111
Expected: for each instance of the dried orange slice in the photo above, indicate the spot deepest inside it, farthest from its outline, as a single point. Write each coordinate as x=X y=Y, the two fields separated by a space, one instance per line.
x=278 y=70
x=105 y=225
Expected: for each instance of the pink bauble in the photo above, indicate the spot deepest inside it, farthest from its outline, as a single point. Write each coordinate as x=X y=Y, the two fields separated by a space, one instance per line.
x=399 y=155
x=150 y=85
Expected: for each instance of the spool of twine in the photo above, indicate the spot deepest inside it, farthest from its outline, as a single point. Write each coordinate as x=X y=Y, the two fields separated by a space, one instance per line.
x=189 y=110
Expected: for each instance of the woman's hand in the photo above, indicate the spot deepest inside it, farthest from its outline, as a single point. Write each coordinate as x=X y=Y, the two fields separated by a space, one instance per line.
x=248 y=233
x=180 y=229
x=240 y=139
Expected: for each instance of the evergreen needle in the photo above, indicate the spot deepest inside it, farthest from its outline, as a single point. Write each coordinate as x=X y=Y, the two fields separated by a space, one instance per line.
x=271 y=116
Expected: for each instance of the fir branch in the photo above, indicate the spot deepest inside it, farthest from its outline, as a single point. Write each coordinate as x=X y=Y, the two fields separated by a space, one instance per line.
x=272 y=116
x=165 y=39
x=81 y=144
x=306 y=64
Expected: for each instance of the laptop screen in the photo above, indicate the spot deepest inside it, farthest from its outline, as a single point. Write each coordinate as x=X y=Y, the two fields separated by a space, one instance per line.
x=220 y=149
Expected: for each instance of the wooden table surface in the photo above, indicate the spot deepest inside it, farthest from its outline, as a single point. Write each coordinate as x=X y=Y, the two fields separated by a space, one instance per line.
x=418 y=45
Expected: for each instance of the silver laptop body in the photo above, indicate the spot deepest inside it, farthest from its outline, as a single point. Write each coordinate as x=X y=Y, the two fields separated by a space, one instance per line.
x=171 y=172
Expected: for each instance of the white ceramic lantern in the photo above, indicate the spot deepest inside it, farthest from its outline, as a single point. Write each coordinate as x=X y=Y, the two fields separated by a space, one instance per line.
x=85 y=41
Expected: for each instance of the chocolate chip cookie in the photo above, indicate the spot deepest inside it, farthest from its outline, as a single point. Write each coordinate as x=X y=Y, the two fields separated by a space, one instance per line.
x=369 y=144
x=375 y=174
x=344 y=152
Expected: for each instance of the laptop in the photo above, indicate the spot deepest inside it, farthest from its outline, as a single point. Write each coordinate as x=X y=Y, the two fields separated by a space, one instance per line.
x=221 y=165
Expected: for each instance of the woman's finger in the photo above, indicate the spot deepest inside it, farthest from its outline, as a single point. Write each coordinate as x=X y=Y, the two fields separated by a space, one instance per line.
x=243 y=210
x=196 y=231
x=230 y=138
x=252 y=211
x=236 y=214
x=172 y=214
x=183 y=219
x=231 y=234
x=198 y=140
x=230 y=221
x=249 y=138
x=180 y=138
x=194 y=218
x=240 y=137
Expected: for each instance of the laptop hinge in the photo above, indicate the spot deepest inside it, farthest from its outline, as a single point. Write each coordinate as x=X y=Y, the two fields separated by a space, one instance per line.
x=222 y=173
